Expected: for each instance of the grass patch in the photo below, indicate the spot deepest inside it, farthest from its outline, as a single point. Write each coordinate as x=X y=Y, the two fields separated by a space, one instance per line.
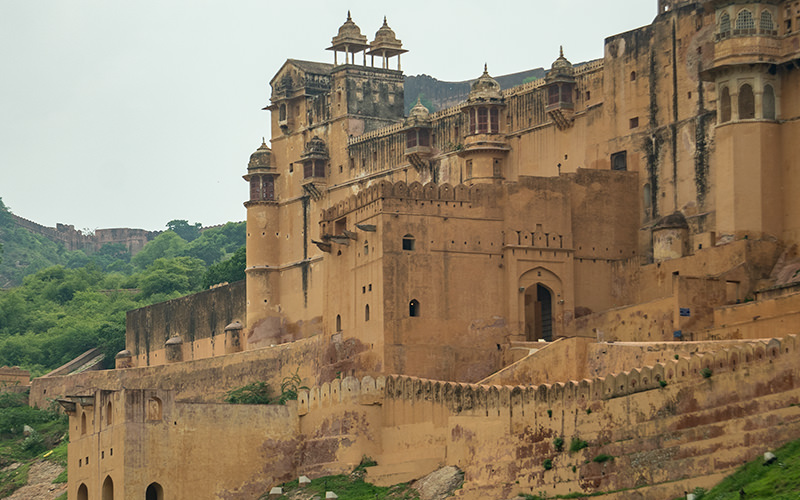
x=12 y=480
x=780 y=480
x=62 y=478
x=558 y=443
x=351 y=488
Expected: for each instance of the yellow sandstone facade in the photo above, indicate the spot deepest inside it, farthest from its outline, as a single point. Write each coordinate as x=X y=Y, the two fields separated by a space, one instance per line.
x=460 y=287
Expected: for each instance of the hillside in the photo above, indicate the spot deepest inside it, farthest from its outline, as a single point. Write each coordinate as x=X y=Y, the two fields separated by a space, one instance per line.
x=438 y=94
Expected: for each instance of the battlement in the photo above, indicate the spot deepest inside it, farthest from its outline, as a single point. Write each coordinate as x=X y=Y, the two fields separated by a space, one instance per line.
x=400 y=190
x=490 y=400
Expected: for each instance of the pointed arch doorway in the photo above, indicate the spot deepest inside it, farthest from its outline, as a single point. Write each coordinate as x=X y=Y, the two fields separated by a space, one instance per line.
x=538 y=313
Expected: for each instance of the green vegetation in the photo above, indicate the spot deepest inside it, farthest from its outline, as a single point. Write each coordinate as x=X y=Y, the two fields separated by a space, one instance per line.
x=777 y=481
x=706 y=372
x=577 y=445
x=558 y=443
x=662 y=383
x=351 y=487
x=602 y=458
x=46 y=439
x=68 y=302
x=547 y=464
x=259 y=393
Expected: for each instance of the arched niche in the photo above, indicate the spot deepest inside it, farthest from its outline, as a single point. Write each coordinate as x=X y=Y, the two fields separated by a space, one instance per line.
x=540 y=292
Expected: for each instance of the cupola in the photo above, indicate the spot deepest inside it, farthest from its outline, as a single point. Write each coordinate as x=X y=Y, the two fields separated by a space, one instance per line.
x=485 y=89
x=483 y=105
x=560 y=89
x=315 y=162
x=670 y=237
x=350 y=41
x=386 y=45
x=418 y=135
x=261 y=174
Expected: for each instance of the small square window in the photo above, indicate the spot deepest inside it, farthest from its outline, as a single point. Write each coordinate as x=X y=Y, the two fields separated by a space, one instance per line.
x=634 y=122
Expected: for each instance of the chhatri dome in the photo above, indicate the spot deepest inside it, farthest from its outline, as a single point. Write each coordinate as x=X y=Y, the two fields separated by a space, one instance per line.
x=419 y=115
x=485 y=88
x=561 y=66
x=261 y=158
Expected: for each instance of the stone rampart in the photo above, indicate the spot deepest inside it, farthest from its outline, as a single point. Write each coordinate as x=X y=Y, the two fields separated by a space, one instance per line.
x=414 y=191
x=199 y=319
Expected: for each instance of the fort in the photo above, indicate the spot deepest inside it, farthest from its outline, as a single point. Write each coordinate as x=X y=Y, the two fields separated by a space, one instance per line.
x=607 y=255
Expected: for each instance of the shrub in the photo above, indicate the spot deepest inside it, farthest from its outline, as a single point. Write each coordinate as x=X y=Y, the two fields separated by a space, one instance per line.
x=257 y=393
x=550 y=413
x=602 y=458
x=558 y=443
x=547 y=464
x=662 y=383
x=706 y=372
x=577 y=444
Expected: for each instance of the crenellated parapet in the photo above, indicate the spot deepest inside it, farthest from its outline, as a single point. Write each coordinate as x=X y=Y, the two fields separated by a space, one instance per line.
x=493 y=400
x=348 y=390
x=402 y=191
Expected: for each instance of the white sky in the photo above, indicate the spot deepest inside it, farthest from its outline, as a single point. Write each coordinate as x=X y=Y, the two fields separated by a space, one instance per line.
x=132 y=113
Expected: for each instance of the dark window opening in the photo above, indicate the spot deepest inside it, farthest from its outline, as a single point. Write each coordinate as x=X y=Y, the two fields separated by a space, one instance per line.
x=366 y=248
x=411 y=139
x=282 y=113
x=366 y=313
x=725 y=105
x=83 y=492
x=340 y=226
x=552 y=95
x=768 y=103
x=108 y=489
x=747 y=102
x=338 y=323
x=634 y=122
x=619 y=161
x=424 y=136
x=154 y=492
x=633 y=76
x=109 y=414
x=408 y=242
x=494 y=120
x=413 y=308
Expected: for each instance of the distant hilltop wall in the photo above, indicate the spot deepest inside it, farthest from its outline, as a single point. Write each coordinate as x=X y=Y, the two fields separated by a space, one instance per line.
x=133 y=239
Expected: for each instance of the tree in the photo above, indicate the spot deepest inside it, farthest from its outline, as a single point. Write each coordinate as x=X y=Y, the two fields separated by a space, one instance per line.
x=182 y=228
x=228 y=270
x=164 y=246
x=167 y=276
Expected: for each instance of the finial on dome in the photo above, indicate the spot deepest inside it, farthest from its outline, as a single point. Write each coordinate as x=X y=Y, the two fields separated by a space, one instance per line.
x=348 y=15
x=561 y=51
x=384 y=21
x=485 y=68
x=263 y=141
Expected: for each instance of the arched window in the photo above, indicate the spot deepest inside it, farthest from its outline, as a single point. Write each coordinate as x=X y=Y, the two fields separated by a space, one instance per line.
x=633 y=76
x=725 y=105
x=647 y=196
x=411 y=138
x=744 y=22
x=725 y=24
x=768 y=103
x=747 y=102
x=83 y=492
x=154 y=492
x=413 y=308
x=109 y=414
x=282 y=113
x=495 y=120
x=408 y=242
x=366 y=313
x=338 y=322
x=83 y=423
x=767 y=25
x=108 y=489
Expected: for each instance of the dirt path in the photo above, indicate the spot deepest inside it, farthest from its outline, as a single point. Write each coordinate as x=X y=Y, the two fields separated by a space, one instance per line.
x=40 y=483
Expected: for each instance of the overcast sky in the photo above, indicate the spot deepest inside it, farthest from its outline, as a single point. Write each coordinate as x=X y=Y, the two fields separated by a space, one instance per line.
x=132 y=113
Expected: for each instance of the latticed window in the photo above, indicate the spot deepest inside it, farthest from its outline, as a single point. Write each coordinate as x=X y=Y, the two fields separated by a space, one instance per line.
x=745 y=22
x=483 y=120
x=767 y=24
x=411 y=139
x=495 y=120
x=724 y=23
